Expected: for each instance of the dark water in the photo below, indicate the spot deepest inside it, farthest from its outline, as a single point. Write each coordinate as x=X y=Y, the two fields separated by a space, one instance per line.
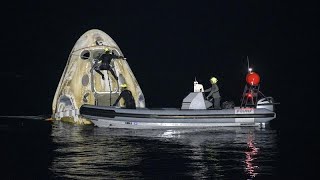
x=43 y=150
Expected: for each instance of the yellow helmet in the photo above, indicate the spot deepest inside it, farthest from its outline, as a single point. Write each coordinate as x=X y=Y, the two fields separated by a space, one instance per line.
x=123 y=85
x=213 y=80
x=107 y=50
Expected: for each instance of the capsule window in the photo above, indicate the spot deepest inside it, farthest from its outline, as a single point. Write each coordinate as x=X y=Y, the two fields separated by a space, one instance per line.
x=85 y=55
x=85 y=80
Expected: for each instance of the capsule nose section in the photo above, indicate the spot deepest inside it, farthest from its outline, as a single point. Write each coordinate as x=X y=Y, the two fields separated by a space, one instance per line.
x=82 y=82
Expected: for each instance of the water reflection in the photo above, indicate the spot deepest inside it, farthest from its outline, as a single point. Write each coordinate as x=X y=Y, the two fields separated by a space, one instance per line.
x=250 y=157
x=81 y=152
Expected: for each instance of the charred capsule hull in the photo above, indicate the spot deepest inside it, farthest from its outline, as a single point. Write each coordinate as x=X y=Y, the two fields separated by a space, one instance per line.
x=81 y=84
x=143 y=118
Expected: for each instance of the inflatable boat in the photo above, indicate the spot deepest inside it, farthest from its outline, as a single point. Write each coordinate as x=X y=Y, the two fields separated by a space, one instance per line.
x=193 y=113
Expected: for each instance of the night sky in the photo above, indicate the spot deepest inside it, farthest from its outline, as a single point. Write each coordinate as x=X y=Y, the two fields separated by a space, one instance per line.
x=167 y=44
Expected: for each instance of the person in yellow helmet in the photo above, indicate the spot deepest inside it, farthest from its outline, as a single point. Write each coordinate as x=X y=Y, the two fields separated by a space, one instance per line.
x=214 y=93
x=105 y=60
x=127 y=97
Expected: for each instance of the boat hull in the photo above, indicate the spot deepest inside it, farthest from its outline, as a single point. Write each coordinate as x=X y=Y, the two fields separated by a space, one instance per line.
x=143 y=118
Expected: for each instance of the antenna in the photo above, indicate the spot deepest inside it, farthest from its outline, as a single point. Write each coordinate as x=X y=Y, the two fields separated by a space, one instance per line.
x=249 y=68
x=248 y=62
